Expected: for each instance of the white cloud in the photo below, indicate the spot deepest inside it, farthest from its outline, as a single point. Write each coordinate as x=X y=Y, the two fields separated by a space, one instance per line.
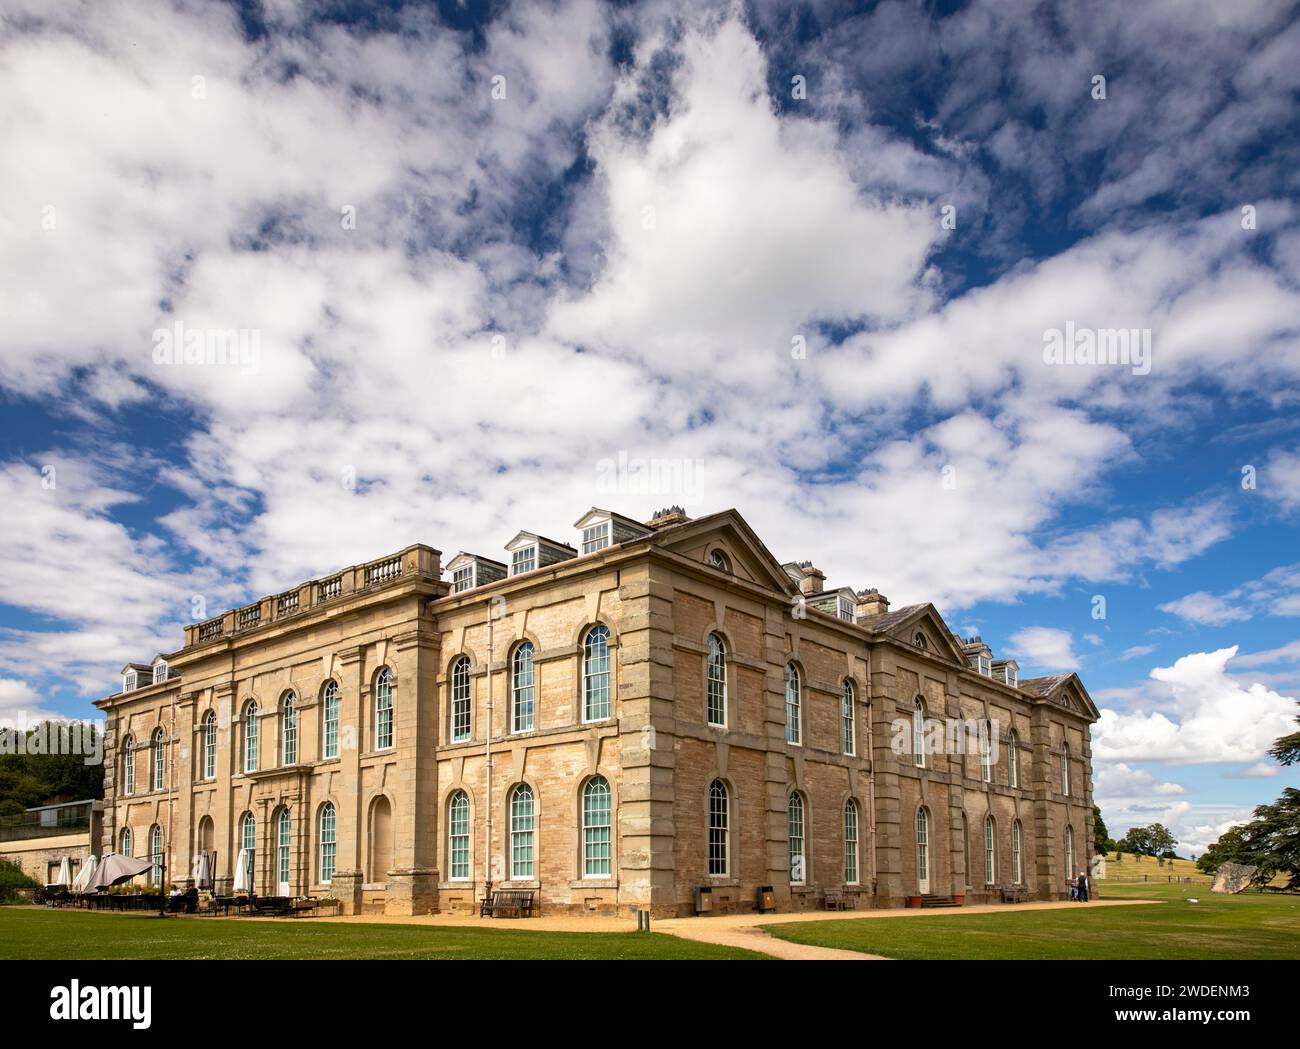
x=1044 y=648
x=1118 y=780
x=1135 y=651
x=1210 y=717
x=1275 y=593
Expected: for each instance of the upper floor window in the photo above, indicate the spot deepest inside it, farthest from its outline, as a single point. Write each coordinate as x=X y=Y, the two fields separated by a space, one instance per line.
x=1013 y=758
x=920 y=640
x=250 y=736
x=462 y=579
x=159 y=672
x=523 y=560
x=793 y=704
x=157 y=761
x=981 y=664
x=209 y=740
x=918 y=734
x=848 y=728
x=596 y=674
x=384 y=710
x=986 y=752
x=128 y=766
x=596 y=537
x=330 y=720
x=847 y=609
x=1065 y=770
x=289 y=729
x=596 y=821
x=460 y=701
x=129 y=680
x=719 y=561
x=522 y=688
x=716 y=682
x=128 y=842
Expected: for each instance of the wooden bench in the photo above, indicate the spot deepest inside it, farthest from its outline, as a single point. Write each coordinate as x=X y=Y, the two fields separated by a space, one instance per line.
x=1012 y=893
x=508 y=903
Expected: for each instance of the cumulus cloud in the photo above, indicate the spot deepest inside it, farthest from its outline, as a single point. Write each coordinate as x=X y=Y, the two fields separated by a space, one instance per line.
x=1275 y=593
x=1044 y=648
x=1209 y=717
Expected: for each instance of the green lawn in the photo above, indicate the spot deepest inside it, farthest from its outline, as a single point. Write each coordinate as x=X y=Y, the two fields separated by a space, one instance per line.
x=1252 y=925
x=29 y=933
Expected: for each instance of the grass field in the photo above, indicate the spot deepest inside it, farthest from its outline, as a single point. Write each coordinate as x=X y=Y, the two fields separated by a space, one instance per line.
x=39 y=934
x=1250 y=925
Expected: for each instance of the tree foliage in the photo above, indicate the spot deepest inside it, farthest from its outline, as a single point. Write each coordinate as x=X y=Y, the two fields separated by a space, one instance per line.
x=1101 y=837
x=1269 y=842
x=42 y=779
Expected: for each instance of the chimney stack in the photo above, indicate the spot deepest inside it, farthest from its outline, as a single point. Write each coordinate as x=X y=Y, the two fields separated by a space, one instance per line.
x=872 y=603
x=669 y=515
x=813 y=579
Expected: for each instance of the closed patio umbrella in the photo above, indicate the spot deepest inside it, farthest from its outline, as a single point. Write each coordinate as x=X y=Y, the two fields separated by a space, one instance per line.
x=115 y=868
x=241 y=873
x=202 y=872
x=64 y=877
x=84 y=879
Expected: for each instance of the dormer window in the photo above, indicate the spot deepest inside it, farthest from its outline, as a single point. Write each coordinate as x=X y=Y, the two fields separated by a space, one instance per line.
x=523 y=560
x=596 y=537
x=984 y=665
x=462 y=578
x=159 y=672
x=129 y=680
x=847 y=609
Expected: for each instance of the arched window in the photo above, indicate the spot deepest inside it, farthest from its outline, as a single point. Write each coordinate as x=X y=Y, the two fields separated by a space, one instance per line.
x=719 y=561
x=986 y=752
x=965 y=849
x=157 y=761
x=848 y=727
x=920 y=641
x=155 y=855
x=522 y=688
x=283 y=840
x=460 y=703
x=250 y=736
x=248 y=842
x=918 y=734
x=596 y=822
x=850 y=842
x=1013 y=758
x=128 y=766
x=384 y=710
x=1016 y=871
x=793 y=702
x=458 y=836
x=990 y=840
x=127 y=843
x=719 y=832
x=1069 y=852
x=326 y=822
x=795 y=826
x=715 y=675
x=595 y=674
x=521 y=833
x=330 y=721
x=923 y=849
x=289 y=729
x=1065 y=770
x=209 y=739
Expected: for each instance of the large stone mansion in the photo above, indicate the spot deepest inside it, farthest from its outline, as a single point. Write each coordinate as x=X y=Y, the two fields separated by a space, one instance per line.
x=661 y=708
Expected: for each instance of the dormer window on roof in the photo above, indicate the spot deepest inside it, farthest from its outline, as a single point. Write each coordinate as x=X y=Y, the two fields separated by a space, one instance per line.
x=848 y=608
x=1007 y=671
x=129 y=680
x=529 y=551
x=462 y=578
x=596 y=536
x=160 y=671
x=471 y=570
x=523 y=560
x=601 y=528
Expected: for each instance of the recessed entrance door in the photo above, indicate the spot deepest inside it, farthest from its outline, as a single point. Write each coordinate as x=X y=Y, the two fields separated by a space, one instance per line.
x=284 y=830
x=923 y=851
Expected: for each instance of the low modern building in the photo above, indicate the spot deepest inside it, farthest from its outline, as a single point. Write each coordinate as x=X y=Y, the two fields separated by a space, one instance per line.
x=657 y=715
x=41 y=838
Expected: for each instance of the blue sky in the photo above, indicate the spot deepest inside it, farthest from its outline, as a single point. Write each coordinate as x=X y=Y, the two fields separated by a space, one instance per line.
x=804 y=258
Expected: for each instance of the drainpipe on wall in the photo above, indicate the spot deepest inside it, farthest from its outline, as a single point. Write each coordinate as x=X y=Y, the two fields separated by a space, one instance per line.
x=871 y=778
x=487 y=800
x=171 y=781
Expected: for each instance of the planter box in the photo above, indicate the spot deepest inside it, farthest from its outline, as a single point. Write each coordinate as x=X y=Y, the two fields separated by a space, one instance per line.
x=914 y=901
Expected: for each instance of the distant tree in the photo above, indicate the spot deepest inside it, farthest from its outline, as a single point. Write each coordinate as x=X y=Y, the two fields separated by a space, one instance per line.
x=1270 y=842
x=1119 y=853
x=1169 y=854
x=1138 y=842
x=1160 y=840
x=1101 y=839
x=39 y=779
x=1286 y=749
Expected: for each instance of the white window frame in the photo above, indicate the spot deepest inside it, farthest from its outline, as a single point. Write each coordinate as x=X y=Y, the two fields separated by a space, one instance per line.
x=462 y=578
x=851 y=868
x=922 y=844
x=126 y=842
x=524 y=559
x=330 y=720
x=986 y=753
x=385 y=687
x=1013 y=759
x=159 y=671
x=847 y=609
x=598 y=536
x=523 y=830
x=458 y=837
x=848 y=719
x=990 y=851
x=157 y=760
x=597 y=675
x=156 y=855
x=289 y=729
x=793 y=705
x=1065 y=770
x=284 y=843
x=250 y=740
x=715 y=682
x=523 y=693
x=719 y=836
x=327 y=831
x=1069 y=851
x=462 y=710
x=129 y=680
x=797 y=830
x=597 y=823
x=719 y=560
x=248 y=840
x=209 y=730
x=1017 y=867
x=128 y=766
x=918 y=733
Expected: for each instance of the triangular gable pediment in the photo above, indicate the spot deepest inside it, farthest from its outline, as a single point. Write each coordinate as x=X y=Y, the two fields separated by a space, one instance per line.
x=903 y=624
x=750 y=558
x=1071 y=695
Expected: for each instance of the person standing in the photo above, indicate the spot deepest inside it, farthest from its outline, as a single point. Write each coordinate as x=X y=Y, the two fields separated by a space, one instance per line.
x=1083 y=887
